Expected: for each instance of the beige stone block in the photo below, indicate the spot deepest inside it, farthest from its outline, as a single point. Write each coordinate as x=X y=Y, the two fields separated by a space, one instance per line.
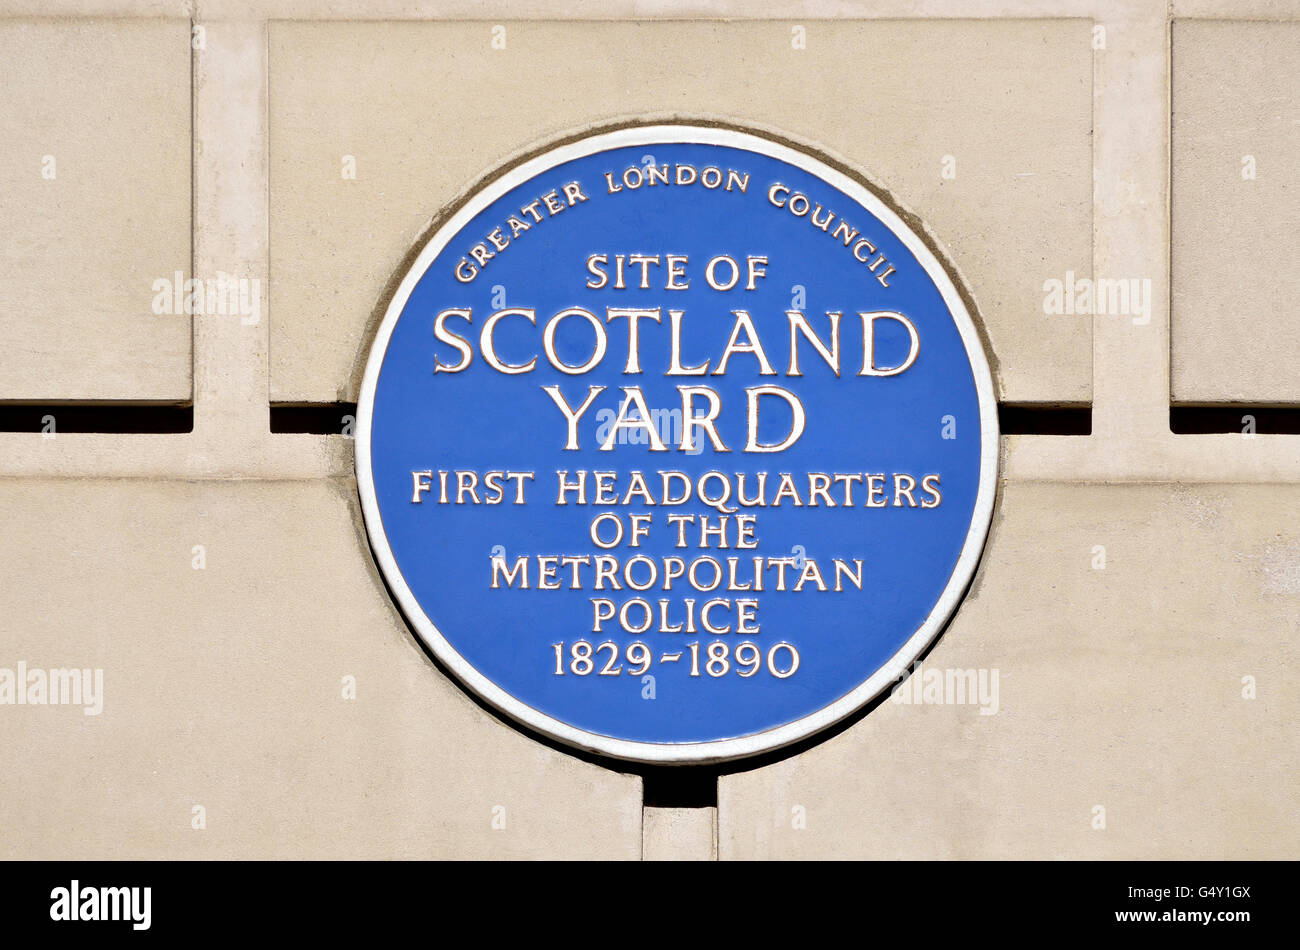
x=224 y=687
x=103 y=105
x=1235 y=336
x=426 y=109
x=1119 y=687
x=680 y=834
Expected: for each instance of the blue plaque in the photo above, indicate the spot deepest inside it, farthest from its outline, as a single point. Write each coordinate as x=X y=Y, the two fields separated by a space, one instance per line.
x=677 y=444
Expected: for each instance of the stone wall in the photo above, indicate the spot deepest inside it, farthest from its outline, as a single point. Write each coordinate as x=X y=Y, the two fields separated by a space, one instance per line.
x=1139 y=596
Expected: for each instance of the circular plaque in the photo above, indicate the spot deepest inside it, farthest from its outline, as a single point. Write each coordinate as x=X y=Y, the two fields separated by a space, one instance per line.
x=676 y=443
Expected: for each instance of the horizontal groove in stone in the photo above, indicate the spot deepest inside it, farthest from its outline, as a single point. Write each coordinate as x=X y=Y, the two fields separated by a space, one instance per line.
x=332 y=418
x=1017 y=419
x=323 y=418
x=110 y=418
x=691 y=786
x=1205 y=420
